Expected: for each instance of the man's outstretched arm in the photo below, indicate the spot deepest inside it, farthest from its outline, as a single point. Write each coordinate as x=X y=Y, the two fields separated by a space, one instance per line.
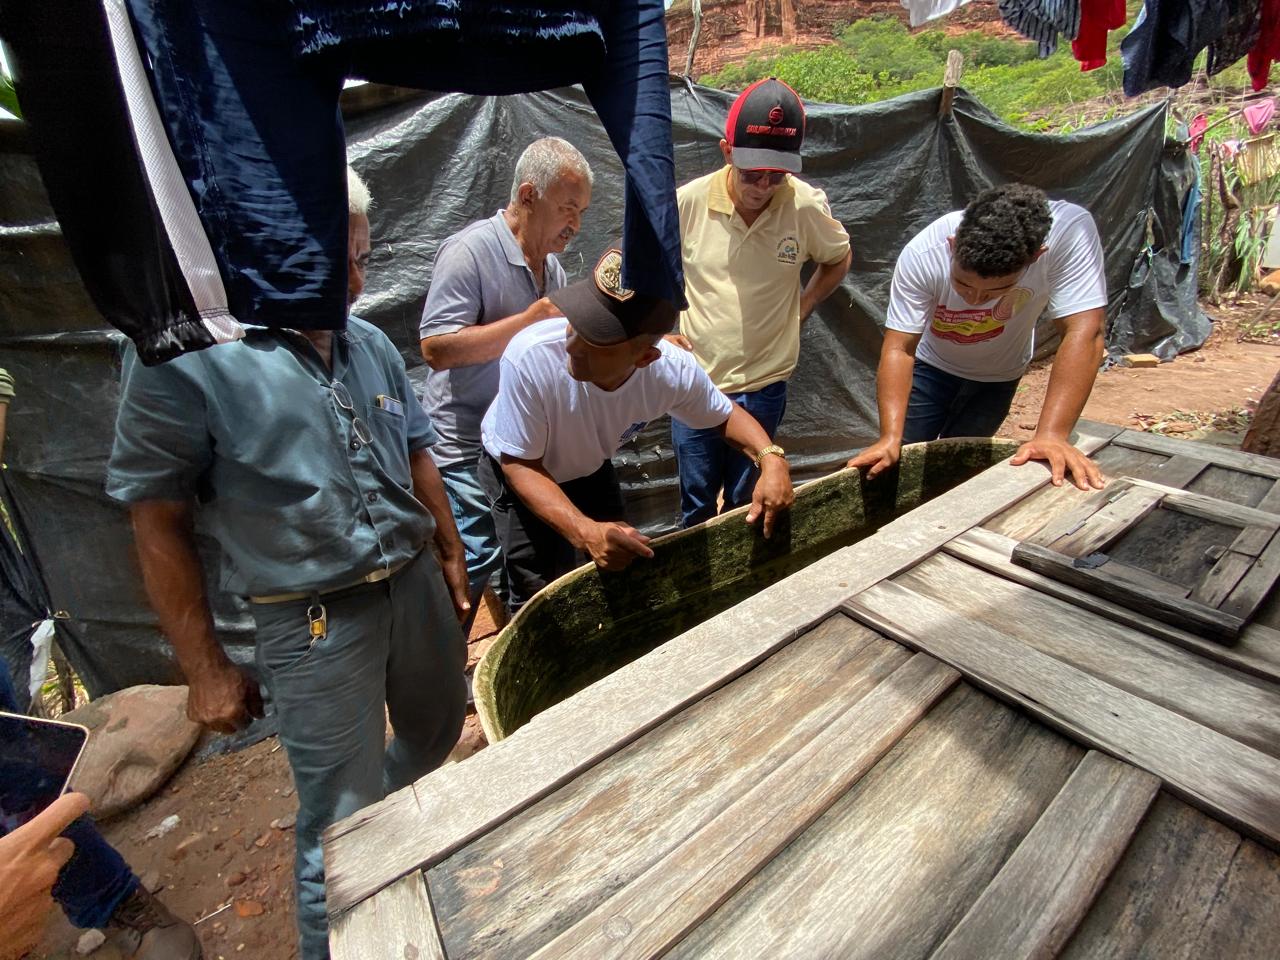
x=1075 y=367
x=893 y=393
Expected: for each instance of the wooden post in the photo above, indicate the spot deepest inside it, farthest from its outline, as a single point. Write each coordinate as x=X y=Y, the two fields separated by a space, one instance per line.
x=1264 y=433
x=950 y=80
x=693 y=39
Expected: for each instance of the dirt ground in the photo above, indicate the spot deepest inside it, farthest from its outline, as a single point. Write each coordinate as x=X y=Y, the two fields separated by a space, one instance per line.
x=228 y=862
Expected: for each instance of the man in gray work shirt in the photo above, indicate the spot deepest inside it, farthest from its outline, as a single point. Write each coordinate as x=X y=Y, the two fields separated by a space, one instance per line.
x=307 y=452
x=491 y=281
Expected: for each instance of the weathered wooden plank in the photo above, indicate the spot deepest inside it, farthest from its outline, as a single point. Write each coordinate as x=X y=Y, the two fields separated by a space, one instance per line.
x=898 y=860
x=1044 y=890
x=1108 y=524
x=1239 y=706
x=1125 y=587
x=1221 y=483
x=512 y=890
x=1029 y=515
x=1234 y=782
x=418 y=827
x=1257 y=652
x=1188 y=888
x=1254 y=586
x=1221 y=456
x=1222 y=579
x=1253 y=540
x=1219 y=511
x=397 y=922
x=652 y=914
x=1068 y=521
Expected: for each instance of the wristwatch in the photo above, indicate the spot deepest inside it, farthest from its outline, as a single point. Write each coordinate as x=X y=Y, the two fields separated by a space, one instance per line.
x=771 y=448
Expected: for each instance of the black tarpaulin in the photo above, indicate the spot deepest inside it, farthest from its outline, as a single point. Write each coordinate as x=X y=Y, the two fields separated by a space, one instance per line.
x=437 y=163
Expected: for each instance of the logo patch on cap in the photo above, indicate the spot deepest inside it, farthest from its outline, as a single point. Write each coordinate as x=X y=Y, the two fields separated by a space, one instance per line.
x=776 y=115
x=608 y=276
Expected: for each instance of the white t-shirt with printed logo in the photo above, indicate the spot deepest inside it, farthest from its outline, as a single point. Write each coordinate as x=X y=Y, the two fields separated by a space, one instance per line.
x=541 y=412
x=994 y=341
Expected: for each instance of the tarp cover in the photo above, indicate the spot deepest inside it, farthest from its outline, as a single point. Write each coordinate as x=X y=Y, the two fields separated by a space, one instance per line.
x=435 y=164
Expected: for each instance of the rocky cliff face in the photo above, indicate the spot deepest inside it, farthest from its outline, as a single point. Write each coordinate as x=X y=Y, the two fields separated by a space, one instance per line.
x=735 y=29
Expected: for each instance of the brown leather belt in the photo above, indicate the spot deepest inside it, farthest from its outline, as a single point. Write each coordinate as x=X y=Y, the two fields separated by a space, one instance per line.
x=378 y=575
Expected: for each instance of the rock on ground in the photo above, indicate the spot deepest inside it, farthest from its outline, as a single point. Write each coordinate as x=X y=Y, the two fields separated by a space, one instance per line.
x=137 y=739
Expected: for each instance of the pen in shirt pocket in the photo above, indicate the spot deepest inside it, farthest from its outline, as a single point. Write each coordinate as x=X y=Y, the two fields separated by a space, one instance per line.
x=389 y=404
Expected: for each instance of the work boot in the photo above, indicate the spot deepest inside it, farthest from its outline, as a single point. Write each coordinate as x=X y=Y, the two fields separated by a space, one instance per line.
x=151 y=932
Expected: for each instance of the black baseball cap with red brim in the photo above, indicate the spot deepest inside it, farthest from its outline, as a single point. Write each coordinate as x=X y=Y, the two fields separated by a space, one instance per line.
x=766 y=127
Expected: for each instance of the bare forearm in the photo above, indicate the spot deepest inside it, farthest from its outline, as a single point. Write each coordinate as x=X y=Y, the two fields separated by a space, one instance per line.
x=428 y=487
x=744 y=433
x=541 y=494
x=483 y=341
x=822 y=284
x=893 y=391
x=174 y=579
x=1070 y=382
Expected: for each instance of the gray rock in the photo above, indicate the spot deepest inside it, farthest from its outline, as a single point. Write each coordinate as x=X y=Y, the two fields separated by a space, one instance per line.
x=137 y=738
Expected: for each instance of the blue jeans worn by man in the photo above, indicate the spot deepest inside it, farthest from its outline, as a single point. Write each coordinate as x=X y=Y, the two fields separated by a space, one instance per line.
x=707 y=465
x=944 y=405
x=473 y=515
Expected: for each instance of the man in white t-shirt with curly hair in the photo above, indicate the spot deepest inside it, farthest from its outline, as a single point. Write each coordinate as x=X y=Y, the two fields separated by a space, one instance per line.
x=960 y=332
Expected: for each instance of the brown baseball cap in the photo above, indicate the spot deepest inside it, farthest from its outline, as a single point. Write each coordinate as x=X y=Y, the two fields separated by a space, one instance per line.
x=604 y=312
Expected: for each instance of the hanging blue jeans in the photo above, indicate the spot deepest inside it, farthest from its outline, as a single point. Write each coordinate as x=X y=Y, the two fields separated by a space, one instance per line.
x=96 y=879
x=944 y=405
x=708 y=465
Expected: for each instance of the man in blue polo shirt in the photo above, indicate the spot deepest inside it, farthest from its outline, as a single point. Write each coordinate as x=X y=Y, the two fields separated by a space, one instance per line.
x=307 y=454
x=491 y=280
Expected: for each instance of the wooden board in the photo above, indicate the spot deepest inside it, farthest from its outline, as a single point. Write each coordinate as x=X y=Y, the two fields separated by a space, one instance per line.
x=896 y=863
x=418 y=827
x=523 y=883
x=1234 y=782
x=1122 y=584
x=397 y=923
x=649 y=916
x=1188 y=888
x=1025 y=518
x=1247 y=489
x=1239 y=706
x=1221 y=456
x=1044 y=890
x=1257 y=652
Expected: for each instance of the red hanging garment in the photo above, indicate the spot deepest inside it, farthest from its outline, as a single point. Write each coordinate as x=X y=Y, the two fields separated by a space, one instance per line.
x=1268 y=46
x=1097 y=17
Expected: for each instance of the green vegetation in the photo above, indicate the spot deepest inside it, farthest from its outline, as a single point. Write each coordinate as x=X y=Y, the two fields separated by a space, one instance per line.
x=879 y=57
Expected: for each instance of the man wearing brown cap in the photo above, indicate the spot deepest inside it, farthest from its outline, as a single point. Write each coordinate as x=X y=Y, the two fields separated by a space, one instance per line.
x=572 y=390
x=747 y=230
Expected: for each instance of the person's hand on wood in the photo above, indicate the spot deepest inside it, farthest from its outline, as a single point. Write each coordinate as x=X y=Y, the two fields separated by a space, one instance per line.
x=878 y=457
x=30 y=858
x=773 y=493
x=1063 y=459
x=613 y=546
x=223 y=697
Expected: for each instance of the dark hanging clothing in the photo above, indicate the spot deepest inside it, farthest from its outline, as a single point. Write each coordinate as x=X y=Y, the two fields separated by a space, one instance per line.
x=231 y=204
x=1162 y=46
x=1239 y=35
x=1043 y=20
x=1267 y=47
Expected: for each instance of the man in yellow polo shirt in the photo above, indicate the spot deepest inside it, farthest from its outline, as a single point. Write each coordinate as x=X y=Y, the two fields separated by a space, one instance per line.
x=746 y=231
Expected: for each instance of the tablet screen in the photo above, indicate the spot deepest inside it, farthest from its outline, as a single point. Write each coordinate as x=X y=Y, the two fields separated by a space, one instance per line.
x=36 y=760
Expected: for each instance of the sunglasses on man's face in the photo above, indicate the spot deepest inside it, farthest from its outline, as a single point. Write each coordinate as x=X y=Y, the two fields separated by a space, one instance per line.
x=769 y=178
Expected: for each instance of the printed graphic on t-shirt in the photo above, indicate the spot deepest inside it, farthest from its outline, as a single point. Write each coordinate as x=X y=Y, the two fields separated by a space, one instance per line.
x=788 y=250
x=978 y=325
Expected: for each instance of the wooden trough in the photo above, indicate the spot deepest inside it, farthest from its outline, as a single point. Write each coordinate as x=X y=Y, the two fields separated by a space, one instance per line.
x=913 y=747
x=589 y=623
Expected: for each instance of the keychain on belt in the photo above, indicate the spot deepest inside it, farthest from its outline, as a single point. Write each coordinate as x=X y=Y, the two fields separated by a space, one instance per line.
x=317 y=621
